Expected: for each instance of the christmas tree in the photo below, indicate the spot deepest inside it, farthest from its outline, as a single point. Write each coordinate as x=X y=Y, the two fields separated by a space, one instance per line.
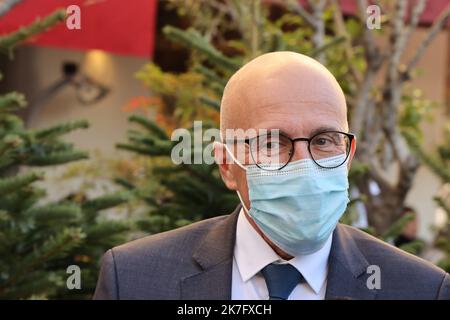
x=39 y=241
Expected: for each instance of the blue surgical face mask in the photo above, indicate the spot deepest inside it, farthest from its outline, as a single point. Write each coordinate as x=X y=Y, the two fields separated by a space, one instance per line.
x=299 y=206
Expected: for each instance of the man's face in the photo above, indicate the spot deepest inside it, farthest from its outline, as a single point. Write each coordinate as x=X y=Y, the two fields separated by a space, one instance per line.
x=299 y=100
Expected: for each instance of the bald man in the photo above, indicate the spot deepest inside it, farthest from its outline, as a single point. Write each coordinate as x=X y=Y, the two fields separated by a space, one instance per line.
x=285 y=149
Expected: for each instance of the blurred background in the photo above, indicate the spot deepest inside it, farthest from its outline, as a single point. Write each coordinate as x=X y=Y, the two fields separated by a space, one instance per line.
x=92 y=90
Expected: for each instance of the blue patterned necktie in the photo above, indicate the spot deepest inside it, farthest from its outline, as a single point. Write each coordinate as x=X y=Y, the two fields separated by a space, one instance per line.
x=281 y=279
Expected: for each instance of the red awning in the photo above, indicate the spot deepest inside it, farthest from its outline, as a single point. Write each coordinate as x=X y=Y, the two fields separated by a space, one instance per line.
x=117 y=26
x=123 y=27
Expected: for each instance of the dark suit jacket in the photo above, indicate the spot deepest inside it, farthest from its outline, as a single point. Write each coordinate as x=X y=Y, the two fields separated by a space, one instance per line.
x=195 y=262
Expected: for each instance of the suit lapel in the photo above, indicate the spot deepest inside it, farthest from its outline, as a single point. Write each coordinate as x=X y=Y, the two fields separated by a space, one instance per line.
x=347 y=273
x=215 y=259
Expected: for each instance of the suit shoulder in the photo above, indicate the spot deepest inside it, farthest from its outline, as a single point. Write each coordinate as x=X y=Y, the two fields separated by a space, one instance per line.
x=393 y=259
x=151 y=267
x=176 y=242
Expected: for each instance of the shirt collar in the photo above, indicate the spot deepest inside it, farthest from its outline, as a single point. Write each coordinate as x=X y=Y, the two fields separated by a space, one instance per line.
x=252 y=253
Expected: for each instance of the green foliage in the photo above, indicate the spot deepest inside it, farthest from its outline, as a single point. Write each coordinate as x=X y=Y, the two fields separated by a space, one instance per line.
x=192 y=39
x=10 y=41
x=415 y=109
x=12 y=101
x=185 y=193
x=439 y=163
x=413 y=247
x=396 y=228
x=12 y=184
x=38 y=240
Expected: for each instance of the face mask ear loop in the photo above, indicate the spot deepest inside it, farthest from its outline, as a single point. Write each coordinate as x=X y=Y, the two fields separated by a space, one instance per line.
x=242 y=202
x=232 y=155
x=240 y=165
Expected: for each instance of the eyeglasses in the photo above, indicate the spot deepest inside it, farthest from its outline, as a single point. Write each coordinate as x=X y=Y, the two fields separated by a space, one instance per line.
x=273 y=151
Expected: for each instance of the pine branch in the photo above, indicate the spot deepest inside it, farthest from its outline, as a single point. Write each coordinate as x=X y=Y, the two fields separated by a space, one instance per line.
x=14 y=183
x=61 y=129
x=437 y=166
x=56 y=158
x=397 y=227
x=148 y=141
x=210 y=75
x=8 y=42
x=330 y=44
x=413 y=247
x=10 y=123
x=44 y=282
x=105 y=230
x=210 y=102
x=106 y=201
x=52 y=214
x=12 y=101
x=193 y=40
x=125 y=183
x=150 y=125
x=17 y=203
x=140 y=150
x=52 y=248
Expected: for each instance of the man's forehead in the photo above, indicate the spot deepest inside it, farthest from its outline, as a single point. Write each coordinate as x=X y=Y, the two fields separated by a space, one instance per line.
x=259 y=91
x=298 y=118
x=281 y=88
x=261 y=94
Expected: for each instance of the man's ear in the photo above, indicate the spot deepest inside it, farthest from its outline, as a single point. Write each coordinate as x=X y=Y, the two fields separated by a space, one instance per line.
x=352 y=152
x=222 y=160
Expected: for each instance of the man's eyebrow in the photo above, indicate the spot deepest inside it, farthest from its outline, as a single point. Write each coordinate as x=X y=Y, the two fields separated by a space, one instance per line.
x=312 y=133
x=322 y=129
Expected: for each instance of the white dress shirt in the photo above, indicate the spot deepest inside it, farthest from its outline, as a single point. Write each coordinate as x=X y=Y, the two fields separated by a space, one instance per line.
x=252 y=253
